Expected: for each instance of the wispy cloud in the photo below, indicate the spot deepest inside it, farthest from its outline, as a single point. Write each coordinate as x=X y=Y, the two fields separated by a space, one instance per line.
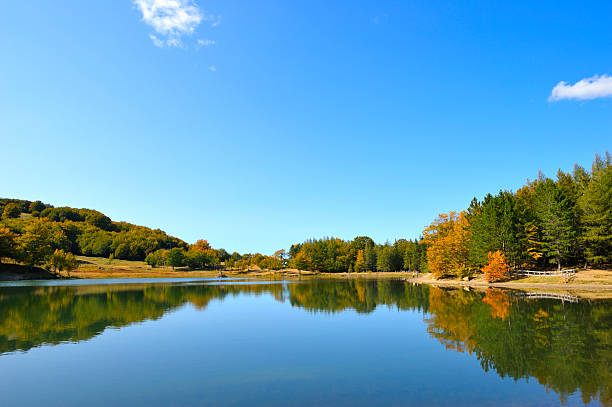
x=173 y=19
x=206 y=43
x=585 y=89
x=156 y=41
x=212 y=68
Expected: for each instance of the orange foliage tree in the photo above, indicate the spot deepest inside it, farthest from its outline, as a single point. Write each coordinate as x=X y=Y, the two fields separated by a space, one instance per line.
x=497 y=269
x=201 y=245
x=448 y=237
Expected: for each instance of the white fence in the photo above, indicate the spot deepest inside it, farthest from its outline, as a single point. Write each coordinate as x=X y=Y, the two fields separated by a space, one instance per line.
x=561 y=273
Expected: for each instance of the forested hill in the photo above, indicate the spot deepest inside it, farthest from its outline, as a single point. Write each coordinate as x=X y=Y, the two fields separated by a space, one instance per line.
x=80 y=231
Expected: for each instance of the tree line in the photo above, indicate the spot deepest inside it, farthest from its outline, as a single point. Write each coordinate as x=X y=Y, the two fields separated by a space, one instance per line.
x=358 y=255
x=546 y=223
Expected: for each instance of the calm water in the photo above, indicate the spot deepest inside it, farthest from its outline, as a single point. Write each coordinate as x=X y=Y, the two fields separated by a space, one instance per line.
x=312 y=343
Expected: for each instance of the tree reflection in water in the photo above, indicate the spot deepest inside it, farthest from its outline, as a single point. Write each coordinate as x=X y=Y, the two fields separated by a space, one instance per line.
x=567 y=347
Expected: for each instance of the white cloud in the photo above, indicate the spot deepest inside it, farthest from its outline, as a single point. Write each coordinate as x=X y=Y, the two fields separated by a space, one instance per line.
x=584 y=89
x=173 y=19
x=216 y=20
x=206 y=43
x=156 y=41
x=213 y=68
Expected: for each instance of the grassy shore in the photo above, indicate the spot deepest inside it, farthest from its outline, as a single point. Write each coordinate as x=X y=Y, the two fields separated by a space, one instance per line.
x=594 y=281
x=99 y=267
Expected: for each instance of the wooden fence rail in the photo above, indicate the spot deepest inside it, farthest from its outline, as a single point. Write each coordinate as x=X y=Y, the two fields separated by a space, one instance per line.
x=562 y=273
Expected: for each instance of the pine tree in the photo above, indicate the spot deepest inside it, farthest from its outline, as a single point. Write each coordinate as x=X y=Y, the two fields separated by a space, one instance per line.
x=494 y=225
x=596 y=208
x=370 y=257
x=555 y=215
x=383 y=259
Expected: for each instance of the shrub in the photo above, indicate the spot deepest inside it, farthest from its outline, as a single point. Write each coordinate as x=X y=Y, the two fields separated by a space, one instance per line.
x=60 y=260
x=497 y=269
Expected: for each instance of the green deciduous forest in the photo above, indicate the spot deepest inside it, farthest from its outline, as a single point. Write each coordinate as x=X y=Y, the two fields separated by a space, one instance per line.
x=547 y=223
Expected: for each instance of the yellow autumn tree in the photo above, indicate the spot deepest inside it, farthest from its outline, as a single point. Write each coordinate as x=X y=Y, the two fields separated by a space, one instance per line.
x=360 y=265
x=201 y=245
x=497 y=269
x=448 y=237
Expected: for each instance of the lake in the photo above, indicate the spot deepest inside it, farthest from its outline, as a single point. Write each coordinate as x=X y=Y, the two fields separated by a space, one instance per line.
x=358 y=342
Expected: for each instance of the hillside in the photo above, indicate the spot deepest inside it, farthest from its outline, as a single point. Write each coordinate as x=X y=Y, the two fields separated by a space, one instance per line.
x=79 y=231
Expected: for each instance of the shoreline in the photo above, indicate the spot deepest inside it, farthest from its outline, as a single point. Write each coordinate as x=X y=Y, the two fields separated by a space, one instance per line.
x=586 y=283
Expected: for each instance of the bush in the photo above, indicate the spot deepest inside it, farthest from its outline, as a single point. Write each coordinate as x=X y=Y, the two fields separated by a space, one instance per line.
x=11 y=210
x=497 y=269
x=156 y=258
x=60 y=260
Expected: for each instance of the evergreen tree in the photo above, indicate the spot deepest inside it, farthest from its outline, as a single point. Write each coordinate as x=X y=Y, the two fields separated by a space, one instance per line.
x=596 y=208
x=412 y=256
x=493 y=225
x=528 y=230
x=369 y=255
x=555 y=215
x=383 y=259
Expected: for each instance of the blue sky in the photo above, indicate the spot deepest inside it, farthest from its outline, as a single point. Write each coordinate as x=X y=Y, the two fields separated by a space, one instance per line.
x=259 y=124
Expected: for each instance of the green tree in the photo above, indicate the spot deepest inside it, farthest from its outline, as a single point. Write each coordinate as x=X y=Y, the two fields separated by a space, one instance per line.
x=11 y=210
x=301 y=261
x=175 y=257
x=36 y=243
x=7 y=244
x=156 y=258
x=199 y=259
x=555 y=215
x=369 y=255
x=414 y=256
x=493 y=224
x=282 y=257
x=389 y=259
x=60 y=260
x=596 y=208
x=123 y=252
x=37 y=206
x=99 y=220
